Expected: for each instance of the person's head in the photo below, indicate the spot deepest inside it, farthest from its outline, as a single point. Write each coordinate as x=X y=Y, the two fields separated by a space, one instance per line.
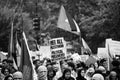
x=42 y=73
x=56 y=66
x=5 y=63
x=103 y=62
x=10 y=62
x=92 y=65
x=36 y=62
x=51 y=72
x=115 y=63
x=81 y=73
x=9 y=77
x=90 y=71
x=64 y=65
x=71 y=66
x=97 y=77
x=48 y=66
x=102 y=69
x=113 y=75
x=18 y=75
x=67 y=73
x=6 y=71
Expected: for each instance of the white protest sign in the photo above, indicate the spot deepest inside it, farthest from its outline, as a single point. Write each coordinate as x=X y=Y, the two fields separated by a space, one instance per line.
x=75 y=57
x=102 y=53
x=69 y=49
x=45 y=52
x=58 y=48
x=113 y=47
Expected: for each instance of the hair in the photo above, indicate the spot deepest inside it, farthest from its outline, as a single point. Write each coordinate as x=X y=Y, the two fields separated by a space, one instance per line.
x=65 y=71
x=3 y=70
x=6 y=78
x=79 y=73
x=35 y=61
x=102 y=61
x=51 y=70
x=71 y=64
x=10 y=61
x=115 y=63
x=5 y=60
x=110 y=77
x=91 y=65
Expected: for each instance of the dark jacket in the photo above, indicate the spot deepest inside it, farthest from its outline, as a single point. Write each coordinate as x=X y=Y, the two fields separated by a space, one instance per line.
x=61 y=78
x=80 y=78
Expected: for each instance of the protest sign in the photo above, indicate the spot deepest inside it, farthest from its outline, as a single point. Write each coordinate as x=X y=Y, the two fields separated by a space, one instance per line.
x=58 y=48
x=43 y=52
x=102 y=53
x=113 y=47
x=69 y=49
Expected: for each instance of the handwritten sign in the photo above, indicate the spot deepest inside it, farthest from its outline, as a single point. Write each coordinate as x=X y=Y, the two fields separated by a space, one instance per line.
x=58 y=48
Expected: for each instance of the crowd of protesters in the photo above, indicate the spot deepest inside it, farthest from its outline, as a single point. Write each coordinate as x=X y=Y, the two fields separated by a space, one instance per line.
x=63 y=70
x=8 y=72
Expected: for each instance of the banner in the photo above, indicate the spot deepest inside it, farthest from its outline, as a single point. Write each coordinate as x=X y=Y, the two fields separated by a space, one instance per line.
x=113 y=46
x=58 y=48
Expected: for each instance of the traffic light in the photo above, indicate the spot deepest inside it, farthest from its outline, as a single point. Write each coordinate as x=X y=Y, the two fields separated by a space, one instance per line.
x=36 y=23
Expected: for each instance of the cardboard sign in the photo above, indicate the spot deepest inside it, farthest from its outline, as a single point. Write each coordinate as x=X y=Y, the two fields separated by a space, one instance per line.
x=58 y=49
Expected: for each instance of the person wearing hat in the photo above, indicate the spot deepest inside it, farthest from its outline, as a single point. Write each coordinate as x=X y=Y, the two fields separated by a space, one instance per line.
x=97 y=76
x=113 y=76
x=89 y=73
x=42 y=73
x=18 y=75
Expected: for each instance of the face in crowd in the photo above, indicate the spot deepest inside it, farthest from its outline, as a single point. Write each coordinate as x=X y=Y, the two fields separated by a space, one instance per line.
x=67 y=73
x=18 y=76
x=5 y=63
x=64 y=66
x=82 y=73
x=6 y=71
x=56 y=66
x=42 y=73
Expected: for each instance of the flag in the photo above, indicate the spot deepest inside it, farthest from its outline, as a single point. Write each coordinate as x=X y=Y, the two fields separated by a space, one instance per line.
x=11 y=48
x=77 y=27
x=26 y=65
x=18 y=51
x=86 y=47
x=65 y=21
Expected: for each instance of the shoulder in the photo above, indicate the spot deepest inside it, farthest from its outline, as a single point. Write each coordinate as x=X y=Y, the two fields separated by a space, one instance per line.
x=71 y=78
x=60 y=78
